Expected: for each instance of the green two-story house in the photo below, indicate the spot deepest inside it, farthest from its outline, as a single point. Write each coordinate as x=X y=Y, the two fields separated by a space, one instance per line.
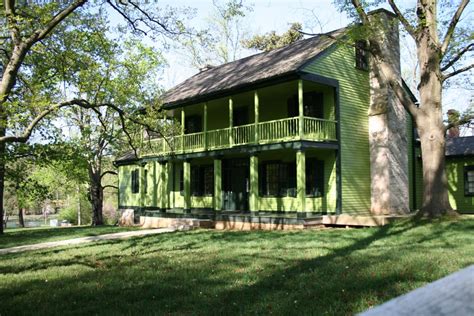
x=290 y=134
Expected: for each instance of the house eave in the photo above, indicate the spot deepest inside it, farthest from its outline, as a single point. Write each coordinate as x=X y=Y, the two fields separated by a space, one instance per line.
x=292 y=75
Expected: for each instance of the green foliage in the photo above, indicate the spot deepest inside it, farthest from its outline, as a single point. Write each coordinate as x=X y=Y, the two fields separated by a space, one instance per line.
x=219 y=42
x=309 y=272
x=70 y=213
x=271 y=40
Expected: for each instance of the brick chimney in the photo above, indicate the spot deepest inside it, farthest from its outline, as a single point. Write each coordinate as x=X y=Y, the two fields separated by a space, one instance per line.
x=387 y=128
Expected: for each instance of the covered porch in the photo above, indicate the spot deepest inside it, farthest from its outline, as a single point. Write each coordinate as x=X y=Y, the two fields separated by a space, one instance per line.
x=304 y=110
x=299 y=182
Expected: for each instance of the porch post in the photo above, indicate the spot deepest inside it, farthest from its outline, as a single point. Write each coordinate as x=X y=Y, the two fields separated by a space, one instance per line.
x=256 y=111
x=183 y=121
x=300 y=108
x=142 y=185
x=154 y=200
x=205 y=125
x=253 y=183
x=301 y=180
x=187 y=185
x=163 y=185
x=231 y=121
x=217 y=184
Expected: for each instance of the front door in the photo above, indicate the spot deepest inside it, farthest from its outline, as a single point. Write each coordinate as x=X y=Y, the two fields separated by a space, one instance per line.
x=235 y=184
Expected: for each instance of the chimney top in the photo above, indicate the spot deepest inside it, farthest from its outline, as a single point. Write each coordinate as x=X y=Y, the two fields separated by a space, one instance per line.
x=206 y=67
x=380 y=11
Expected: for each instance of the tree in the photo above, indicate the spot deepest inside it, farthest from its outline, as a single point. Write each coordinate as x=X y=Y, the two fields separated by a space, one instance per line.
x=120 y=78
x=442 y=51
x=271 y=40
x=29 y=90
x=220 y=42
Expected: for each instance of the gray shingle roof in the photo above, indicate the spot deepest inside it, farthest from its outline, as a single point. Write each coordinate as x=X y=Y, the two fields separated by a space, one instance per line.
x=250 y=70
x=127 y=157
x=460 y=146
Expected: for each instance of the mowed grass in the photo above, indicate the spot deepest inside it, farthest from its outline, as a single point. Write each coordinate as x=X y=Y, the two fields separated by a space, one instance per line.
x=26 y=236
x=205 y=272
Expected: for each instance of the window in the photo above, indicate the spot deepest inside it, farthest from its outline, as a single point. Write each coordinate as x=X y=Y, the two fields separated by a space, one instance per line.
x=202 y=180
x=469 y=181
x=241 y=116
x=361 y=55
x=192 y=124
x=314 y=177
x=135 y=181
x=181 y=181
x=277 y=179
x=145 y=184
x=313 y=105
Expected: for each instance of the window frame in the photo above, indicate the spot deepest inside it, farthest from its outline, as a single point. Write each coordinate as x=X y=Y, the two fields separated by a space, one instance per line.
x=199 y=181
x=315 y=188
x=361 y=55
x=285 y=179
x=135 y=180
x=467 y=169
x=193 y=124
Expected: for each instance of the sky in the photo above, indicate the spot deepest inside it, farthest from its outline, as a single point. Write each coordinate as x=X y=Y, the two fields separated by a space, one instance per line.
x=316 y=16
x=267 y=15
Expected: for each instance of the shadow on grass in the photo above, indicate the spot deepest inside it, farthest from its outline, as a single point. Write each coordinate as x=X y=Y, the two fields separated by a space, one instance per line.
x=26 y=236
x=203 y=272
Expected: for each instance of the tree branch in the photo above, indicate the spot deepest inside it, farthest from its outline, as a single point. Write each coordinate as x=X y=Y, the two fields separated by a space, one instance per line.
x=360 y=11
x=108 y=172
x=43 y=32
x=127 y=18
x=458 y=56
x=457 y=72
x=408 y=27
x=452 y=26
x=163 y=26
x=11 y=21
x=465 y=120
x=29 y=129
x=110 y=186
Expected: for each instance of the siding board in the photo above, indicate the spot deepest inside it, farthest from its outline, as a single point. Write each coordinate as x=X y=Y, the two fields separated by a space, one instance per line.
x=339 y=63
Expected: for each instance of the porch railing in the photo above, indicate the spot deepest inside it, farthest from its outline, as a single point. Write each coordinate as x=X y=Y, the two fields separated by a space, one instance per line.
x=276 y=131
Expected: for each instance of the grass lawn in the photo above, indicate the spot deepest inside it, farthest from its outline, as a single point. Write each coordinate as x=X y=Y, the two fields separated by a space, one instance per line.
x=205 y=272
x=25 y=236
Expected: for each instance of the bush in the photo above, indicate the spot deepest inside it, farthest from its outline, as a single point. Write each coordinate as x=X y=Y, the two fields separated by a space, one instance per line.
x=70 y=214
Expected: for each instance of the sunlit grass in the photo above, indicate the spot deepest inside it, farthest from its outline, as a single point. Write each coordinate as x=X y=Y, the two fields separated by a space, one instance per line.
x=340 y=271
x=25 y=236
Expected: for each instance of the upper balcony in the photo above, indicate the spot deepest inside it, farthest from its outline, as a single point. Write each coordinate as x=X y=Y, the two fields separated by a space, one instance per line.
x=291 y=111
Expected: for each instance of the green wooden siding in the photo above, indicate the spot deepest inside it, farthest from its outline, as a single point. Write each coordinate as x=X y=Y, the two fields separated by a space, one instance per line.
x=339 y=63
x=126 y=197
x=455 y=174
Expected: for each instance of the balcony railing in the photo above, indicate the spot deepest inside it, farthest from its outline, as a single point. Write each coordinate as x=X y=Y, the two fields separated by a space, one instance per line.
x=276 y=131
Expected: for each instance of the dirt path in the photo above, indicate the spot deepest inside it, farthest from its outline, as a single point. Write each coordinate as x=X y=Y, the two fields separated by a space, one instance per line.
x=83 y=240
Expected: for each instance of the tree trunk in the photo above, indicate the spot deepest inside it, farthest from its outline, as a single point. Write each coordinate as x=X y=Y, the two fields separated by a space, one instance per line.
x=21 y=219
x=430 y=123
x=435 y=184
x=96 y=195
x=2 y=176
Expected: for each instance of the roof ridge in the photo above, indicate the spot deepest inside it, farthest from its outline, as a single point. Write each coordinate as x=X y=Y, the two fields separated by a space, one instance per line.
x=250 y=69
